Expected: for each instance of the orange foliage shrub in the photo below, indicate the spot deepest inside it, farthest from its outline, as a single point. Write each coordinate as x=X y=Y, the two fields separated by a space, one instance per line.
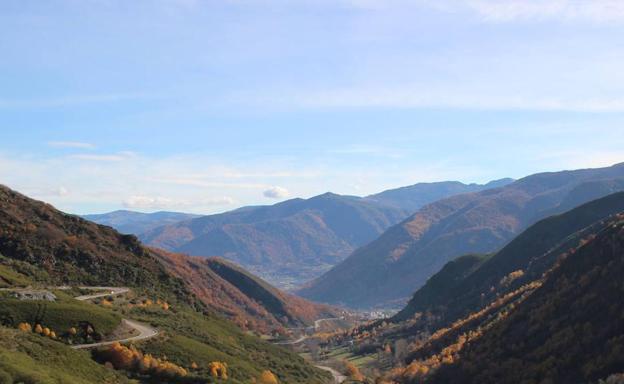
x=267 y=377
x=131 y=359
x=218 y=369
x=24 y=327
x=353 y=372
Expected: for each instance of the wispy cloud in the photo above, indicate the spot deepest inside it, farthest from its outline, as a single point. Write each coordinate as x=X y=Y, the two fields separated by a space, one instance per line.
x=70 y=144
x=106 y=158
x=160 y=202
x=276 y=192
x=200 y=182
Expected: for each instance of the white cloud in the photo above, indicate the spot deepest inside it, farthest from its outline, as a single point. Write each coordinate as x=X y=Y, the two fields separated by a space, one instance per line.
x=71 y=144
x=146 y=202
x=62 y=191
x=276 y=192
x=160 y=202
x=121 y=156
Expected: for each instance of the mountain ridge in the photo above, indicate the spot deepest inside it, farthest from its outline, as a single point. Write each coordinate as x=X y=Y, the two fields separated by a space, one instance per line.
x=298 y=237
x=397 y=263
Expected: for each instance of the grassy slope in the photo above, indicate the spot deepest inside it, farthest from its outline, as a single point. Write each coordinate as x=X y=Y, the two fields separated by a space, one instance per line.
x=59 y=316
x=191 y=337
x=32 y=359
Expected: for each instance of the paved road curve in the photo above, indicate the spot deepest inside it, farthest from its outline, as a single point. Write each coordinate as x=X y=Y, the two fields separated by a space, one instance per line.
x=338 y=377
x=145 y=331
x=108 y=291
x=292 y=342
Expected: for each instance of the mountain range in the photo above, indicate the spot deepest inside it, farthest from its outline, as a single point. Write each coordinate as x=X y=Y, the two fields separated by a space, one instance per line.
x=388 y=270
x=292 y=241
x=131 y=222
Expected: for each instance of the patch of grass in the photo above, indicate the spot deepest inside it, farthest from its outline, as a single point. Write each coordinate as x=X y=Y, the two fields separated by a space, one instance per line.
x=58 y=316
x=189 y=336
x=30 y=359
x=16 y=273
x=11 y=278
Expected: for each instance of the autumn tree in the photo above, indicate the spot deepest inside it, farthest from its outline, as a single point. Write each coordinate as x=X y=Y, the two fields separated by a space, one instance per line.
x=267 y=377
x=353 y=372
x=24 y=327
x=218 y=369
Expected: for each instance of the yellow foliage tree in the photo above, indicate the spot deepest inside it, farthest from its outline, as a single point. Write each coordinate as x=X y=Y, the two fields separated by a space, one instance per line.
x=46 y=331
x=267 y=377
x=218 y=369
x=38 y=329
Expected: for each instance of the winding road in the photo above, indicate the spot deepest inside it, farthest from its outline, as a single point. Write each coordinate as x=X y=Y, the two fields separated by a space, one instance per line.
x=109 y=291
x=145 y=331
x=338 y=377
x=292 y=342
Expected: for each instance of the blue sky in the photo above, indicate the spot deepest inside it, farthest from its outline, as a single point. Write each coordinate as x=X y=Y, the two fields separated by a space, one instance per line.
x=205 y=106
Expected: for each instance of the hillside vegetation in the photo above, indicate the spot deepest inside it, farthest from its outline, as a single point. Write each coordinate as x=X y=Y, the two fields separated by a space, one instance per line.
x=571 y=329
x=243 y=298
x=449 y=297
x=44 y=247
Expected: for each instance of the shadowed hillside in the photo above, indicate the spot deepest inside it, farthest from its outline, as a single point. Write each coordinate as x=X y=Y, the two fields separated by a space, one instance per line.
x=462 y=286
x=569 y=330
x=241 y=297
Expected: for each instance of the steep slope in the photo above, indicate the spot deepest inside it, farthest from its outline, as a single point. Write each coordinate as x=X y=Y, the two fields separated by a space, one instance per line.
x=293 y=239
x=47 y=247
x=451 y=295
x=400 y=261
x=241 y=297
x=569 y=330
x=414 y=197
x=135 y=223
x=73 y=250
